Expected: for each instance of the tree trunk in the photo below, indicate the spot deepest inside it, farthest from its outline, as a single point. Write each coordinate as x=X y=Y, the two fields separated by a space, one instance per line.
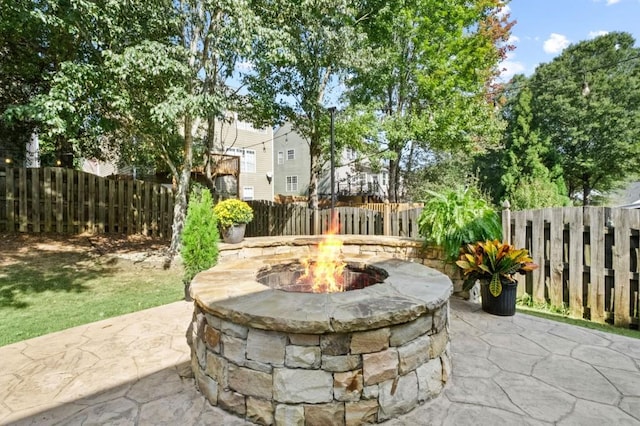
x=180 y=206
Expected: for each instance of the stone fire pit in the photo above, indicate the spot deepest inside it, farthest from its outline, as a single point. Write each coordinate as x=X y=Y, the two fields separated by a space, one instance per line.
x=275 y=356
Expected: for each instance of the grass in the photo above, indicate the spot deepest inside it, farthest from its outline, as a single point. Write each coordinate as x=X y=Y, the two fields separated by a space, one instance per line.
x=46 y=291
x=560 y=315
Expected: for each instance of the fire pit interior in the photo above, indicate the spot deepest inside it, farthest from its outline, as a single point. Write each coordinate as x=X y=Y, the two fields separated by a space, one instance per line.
x=290 y=277
x=268 y=349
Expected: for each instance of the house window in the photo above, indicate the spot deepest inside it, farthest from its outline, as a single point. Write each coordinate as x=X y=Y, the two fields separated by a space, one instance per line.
x=292 y=183
x=351 y=154
x=247 y=193
x=280 y=157
x=291 y=154
x=247 y=159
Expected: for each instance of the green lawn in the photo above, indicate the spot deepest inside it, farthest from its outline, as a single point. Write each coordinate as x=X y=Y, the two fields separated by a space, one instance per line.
x=45 y=291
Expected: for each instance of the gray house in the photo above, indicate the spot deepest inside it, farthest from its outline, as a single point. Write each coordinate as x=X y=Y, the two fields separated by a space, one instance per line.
x=354 y=178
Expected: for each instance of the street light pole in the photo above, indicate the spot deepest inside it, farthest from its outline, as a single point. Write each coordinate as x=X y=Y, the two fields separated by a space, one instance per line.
x=332 y=111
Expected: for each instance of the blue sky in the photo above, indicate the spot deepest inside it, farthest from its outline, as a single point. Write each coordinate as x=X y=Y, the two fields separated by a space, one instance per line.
x=545 y=27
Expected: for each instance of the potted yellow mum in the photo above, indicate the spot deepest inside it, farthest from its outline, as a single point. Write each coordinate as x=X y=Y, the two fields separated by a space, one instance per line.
x=233 y=215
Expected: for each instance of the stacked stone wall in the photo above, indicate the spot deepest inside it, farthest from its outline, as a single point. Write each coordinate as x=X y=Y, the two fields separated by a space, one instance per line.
x=277 y=378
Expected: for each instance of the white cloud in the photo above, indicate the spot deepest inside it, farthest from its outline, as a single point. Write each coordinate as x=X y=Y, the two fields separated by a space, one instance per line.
x=555 y=43
x=513 y=39
x=511 y=68
x=504 y=10
x=594 y=34
x=609 y=2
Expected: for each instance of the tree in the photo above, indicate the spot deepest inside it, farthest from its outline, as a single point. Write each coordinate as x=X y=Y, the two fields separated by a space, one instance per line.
x=517 y=170
x=429 y=74
x=587 y=102
x=293 y=75
x=151 y=74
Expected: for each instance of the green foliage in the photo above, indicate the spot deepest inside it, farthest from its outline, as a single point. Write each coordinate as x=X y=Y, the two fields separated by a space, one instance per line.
x=232 y=212
x=518 y=171
x=493 y=261
x=200 y=235
x=453 y=218
x=594 y=135
x=428 y=68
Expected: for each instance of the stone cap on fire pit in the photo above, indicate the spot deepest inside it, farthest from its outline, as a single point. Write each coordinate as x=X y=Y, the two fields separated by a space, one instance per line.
x=230 y=290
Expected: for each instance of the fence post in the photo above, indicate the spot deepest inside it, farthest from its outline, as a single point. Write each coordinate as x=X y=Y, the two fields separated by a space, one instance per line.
x=386 y=218
x=316 y=221
x=506 y=221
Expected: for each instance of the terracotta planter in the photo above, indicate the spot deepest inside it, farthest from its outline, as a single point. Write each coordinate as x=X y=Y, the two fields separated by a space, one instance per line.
x=504 y=304
x=234 y=233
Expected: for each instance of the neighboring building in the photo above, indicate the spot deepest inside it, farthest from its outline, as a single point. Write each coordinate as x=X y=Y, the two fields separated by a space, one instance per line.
x=291 y=172
x=254 y=148
x=353 y=175
x=628 y=197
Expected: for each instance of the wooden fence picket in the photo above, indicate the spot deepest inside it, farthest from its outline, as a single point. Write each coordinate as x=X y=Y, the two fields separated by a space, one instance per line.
x=51 y=199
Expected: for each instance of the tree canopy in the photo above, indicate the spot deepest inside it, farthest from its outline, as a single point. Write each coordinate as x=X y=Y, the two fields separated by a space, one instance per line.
x=587 y=103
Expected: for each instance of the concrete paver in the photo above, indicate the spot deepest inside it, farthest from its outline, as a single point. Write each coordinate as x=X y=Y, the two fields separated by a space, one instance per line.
x=134 y=370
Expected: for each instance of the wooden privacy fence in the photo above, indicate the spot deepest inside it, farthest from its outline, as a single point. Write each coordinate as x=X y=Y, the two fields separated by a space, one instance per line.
x=52 y=199
x=272 y=219
x=588 y=259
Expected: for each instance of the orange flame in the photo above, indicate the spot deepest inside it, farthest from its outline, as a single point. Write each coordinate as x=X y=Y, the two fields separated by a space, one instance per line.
x=325 y=274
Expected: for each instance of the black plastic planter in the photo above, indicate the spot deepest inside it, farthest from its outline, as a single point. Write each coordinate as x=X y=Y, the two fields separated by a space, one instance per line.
x=504 y=304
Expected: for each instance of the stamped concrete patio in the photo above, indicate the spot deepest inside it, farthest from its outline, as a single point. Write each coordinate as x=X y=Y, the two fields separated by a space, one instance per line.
x=131 y=370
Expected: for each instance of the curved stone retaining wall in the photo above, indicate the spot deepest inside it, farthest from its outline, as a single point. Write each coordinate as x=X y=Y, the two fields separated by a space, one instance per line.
x=282 y=358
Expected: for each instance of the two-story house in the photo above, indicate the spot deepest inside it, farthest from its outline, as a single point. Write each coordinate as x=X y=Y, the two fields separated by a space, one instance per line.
x=354 y=178
x=254 y=150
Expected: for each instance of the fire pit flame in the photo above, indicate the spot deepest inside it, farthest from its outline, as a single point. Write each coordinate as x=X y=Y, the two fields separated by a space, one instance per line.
x=325 y=274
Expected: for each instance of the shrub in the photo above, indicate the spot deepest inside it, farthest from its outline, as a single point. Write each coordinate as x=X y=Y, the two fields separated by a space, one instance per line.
x=232 y=212
x=453 y=218
x=200 y=234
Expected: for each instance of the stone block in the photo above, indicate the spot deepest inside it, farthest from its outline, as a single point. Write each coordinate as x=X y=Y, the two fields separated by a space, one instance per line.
x=380 y=366
x=398 y=396
x=217 y=368
x=201 y=352
x=370 y=392
x=213 y=321
x=414 y=354
x=302 y=357
x=335 y=344
x=302 y=386
x=439 y=343
x=200 y=321
x=233 y=329
x=207 y=386
x=266 y=346
x=289 y=415
x=259 y=366
x=361 y=412
x=250 y=252
x=440 y=318
x=304 y=339
x=446 y=367
x=260 y=411
x=250 y=382
x=234 y=349
x=232 y=402
x=324 y=414
x=429 y=379
x=401 y=334
x=341 y=362
x=347 y=386
x=212 y=338
x=370 y=341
